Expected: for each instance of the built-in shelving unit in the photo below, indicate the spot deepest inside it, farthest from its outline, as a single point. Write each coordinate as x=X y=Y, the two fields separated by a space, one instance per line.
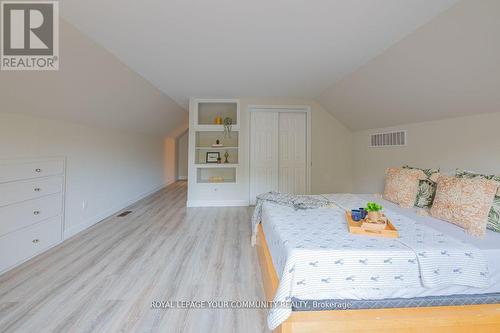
x=208 y=130
x=219 y=183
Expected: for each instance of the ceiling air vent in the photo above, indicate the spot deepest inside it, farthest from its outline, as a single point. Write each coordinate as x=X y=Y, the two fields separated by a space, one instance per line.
x=391 y=139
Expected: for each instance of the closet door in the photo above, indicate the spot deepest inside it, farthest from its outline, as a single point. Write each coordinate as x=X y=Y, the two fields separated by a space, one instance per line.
x=292 y=152
x=263 y=153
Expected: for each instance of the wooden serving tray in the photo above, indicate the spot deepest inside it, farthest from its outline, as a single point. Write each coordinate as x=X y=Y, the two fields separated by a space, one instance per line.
x=355 y=228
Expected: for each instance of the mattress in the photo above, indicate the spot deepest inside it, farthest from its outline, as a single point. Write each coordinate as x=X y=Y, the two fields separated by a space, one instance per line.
x=349 y=304
x=489 y=247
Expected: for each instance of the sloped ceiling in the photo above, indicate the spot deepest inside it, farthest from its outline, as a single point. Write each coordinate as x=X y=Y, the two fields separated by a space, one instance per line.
x=92 y=87
x=258 y=48
x=448 y=68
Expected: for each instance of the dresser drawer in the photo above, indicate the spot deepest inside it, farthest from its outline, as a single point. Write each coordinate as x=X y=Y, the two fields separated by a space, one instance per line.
x=12 y=171
x=11 y=193
x=20 y=215
x=21 y=245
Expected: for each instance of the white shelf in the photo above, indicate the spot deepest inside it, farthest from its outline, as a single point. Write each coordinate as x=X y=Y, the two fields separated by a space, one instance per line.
x=216 y=148
x=226 y=181
x=207 y=110
x=214 y=128
x=217 y=165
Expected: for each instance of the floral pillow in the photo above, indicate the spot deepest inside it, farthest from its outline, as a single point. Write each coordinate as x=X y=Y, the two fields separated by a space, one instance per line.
x=426 y=187
x=401 y=185
x=494 y=215
x=465 y=202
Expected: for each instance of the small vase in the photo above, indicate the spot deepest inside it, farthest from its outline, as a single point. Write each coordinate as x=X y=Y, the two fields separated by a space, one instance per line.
x=374 y=216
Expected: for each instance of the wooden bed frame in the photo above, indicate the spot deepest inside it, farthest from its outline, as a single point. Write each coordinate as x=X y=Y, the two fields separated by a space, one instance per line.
x=443 y=319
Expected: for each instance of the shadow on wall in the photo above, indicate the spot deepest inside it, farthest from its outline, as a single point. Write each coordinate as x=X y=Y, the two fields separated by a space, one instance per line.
x=170 y=155
x=182 y=156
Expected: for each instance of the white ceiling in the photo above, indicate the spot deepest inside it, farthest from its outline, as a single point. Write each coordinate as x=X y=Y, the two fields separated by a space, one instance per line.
x=448 y=68
x=257 y=48
x=91 y=88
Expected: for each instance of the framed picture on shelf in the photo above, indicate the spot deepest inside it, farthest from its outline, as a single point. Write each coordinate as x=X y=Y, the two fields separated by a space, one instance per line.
x=213 y=157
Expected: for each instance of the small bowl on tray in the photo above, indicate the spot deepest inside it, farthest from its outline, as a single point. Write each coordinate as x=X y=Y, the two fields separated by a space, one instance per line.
x=381 y=227
x=378 y=225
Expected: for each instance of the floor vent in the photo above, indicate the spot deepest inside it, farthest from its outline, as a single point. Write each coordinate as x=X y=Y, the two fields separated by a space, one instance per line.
x=391 y=139
x=124 y=213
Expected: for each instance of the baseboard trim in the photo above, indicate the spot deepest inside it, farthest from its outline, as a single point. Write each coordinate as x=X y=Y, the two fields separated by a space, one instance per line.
x=70 y=232
x=217 y=203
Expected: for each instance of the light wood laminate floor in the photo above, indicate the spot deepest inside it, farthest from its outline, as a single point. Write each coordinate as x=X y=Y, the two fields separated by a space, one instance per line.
x=104 y=279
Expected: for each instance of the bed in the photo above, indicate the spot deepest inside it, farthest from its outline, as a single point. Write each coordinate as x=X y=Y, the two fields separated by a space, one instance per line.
x=434 y=278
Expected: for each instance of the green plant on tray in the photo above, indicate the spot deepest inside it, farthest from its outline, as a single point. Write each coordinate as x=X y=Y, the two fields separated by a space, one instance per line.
x=373 y=207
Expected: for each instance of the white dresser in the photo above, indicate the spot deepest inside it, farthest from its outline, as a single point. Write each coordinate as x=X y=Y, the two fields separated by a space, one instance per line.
x=31 y=208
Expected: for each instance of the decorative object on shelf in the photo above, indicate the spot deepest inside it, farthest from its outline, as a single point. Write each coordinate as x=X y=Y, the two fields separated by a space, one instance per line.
x=218 y=120
x=215 y=179
x=219 y=160
x=228 y=124
x=217 y=144
x=226 y=156
x=212 y=156
x=373 y=211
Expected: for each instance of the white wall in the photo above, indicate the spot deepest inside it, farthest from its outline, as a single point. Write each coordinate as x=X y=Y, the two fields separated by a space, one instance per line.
x=169 y=162
x=471 y=143
x=107 y=168
x=438 y=81
x=182 y=156
x=331 y=143
x=92 y=87
x=447 y=68
x=111 y=124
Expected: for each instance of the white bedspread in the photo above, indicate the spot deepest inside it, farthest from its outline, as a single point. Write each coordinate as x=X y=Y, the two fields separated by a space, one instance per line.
x=316 y=257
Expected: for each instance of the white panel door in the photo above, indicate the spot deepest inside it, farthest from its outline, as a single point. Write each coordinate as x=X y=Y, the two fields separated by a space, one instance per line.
x=292 y=152
x=263 y=153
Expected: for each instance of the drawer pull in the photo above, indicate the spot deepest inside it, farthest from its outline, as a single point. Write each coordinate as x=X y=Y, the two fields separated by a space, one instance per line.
x=35 y=241
x=38 y=170
x=36 y=212
x=37 y=189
